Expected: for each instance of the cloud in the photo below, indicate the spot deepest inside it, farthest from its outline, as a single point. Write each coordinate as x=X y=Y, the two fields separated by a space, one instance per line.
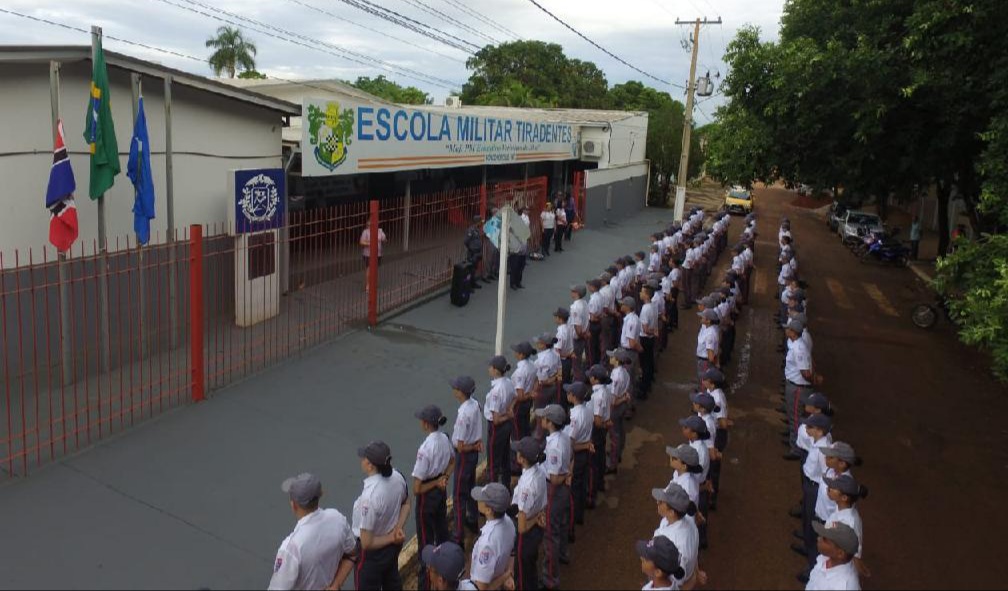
x=642 y=32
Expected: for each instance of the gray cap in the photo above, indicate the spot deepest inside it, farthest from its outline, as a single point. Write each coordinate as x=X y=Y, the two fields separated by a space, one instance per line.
x=714 y=374
x=303 y=488
x=672 y=495
x=495 y=495
x=694 y=423
x=654 y=284
x=840 y=450
x=580 y=289
x=797 y=295
x=578 y=389
x=844 y=483
x=376 y=452
x=524 y=347
x=794 y=325
x=705 y=400
x=640 y=254
x=663 y=553
x=596 y=283
x=709 y=314
x=621 y=355
x=819 y=421
x=499 y=362
x=840 y=534
x=562 y=313
x=464 y=384
x=447 y=560
x=430 y=414
x=707 y=302
x=605 y=277
x=629 y=302
x=598 y=372
x=528 y=447
x=554 y=413
x=684 y=453
x=817 y=400
x=546 y=338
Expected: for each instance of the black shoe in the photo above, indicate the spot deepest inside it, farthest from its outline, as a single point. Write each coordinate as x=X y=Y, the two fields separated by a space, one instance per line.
x=564 y=560
x=796 y=512
x=476 y=285
x=798 y=534
x=612 y=471
x=570 y=538
x=792 y=457
x=799 y=549
x=521 y=287
x=802 y=578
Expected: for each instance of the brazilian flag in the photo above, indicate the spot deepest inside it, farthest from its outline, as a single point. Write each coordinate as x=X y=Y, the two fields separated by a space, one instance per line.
x=99 y=131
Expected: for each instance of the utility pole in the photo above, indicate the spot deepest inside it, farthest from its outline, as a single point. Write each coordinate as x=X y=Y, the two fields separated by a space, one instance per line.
x=680 y=202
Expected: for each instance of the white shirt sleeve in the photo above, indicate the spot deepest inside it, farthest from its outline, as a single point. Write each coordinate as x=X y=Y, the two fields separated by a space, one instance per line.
x=422 y=466
x=483 y=564
x=285 y=569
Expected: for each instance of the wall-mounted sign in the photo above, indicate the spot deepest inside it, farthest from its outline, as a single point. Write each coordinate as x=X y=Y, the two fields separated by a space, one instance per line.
x=351 y=138
x=258 y=200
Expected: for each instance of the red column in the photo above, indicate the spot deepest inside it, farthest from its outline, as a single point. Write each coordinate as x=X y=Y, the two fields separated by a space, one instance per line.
x=372 y=272
x=196 y=311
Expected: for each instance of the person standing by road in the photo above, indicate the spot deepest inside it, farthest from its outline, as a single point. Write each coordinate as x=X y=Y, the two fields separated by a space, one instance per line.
x=559 y=461
x=565 y=343
x=445 y=564
x=525 y=383
x=320 y=550
x=708 y=343
x=619 y=378
x=499 y=412
x=833 y=569
x=677 y=525
x=818 y=426
x=561 y=226
x=379 y=515
x=467 y=437
x=570 y=210
x=596 y=313
x=915 y=237
x=799 y=376
x=601 y=405
x=660 y=563
x=365 y=244
x=580 y=432
x=530 y=496
x=492 y=562
x=630 y=341
x=473 y=243
x=549 y=374
x=548 y=219
x=649 y=325
x=431 y=472
x=579 y=321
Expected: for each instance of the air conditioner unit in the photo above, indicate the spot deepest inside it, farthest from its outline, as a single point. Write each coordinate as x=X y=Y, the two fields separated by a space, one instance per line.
x=591 y=149
x=453 y=102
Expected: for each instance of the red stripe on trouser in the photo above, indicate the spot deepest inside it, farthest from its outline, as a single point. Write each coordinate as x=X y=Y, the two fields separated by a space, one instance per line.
x=797 y=398
x=458 y=497
x=490 y=456
x=551 y=547
x=521 y=562
x=360 y=565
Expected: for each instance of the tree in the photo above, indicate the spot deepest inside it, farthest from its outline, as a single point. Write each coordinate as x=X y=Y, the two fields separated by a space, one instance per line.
x=381 y=86
x=252 y=75
x=533 y=73
x=231 y=51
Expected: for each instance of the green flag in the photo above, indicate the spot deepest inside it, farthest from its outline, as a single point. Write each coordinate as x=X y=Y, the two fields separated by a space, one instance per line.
x=99 y=131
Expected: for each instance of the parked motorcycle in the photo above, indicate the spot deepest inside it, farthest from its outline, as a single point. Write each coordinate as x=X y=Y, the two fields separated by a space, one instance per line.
x=926 y=315
x=884 y=249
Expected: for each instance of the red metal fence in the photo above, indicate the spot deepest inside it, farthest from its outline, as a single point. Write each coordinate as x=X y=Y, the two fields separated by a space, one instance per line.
x=95 y=343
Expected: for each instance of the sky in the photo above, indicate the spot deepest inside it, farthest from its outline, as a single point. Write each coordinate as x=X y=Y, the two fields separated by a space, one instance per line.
x=641 y=32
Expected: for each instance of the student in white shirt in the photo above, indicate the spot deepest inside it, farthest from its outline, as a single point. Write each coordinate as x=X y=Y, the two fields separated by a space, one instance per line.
x=526 y=385
x=467 y=438
x=445 y=564
x=530 y=497
x=660 y=563
x=676 y=511
x=818 y=427
x=379 y=515
x=492 y=564
x=685 y=462
x=435 y=461
x=565 y=343
x=695 y=430
x=318 y=553
x=619 y=377
x=833 y=569
x=499 y=413
x=846 y=493
x=548 y=218
x=601 y=405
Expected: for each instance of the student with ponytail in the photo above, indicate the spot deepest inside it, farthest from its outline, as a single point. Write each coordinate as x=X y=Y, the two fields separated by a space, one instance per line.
x=676 y=511
x=529 y=500
x=379 y=515
x=434 y=464
x=499 y=413
x=660 y=563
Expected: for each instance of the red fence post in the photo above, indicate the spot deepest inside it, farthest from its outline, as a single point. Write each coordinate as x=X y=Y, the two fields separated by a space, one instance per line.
x=483 y=201
x=196 y=311
x=372 y=272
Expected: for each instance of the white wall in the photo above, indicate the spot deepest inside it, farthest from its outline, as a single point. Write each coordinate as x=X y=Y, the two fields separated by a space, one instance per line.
x=211 y=134
x=605 y=176
x=627 y=142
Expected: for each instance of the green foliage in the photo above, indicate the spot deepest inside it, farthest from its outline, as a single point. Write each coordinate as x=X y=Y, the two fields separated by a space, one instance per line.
x=975 y=280
x=533 y=74
x=252 y=75
x=391 y=91
x=232 y=51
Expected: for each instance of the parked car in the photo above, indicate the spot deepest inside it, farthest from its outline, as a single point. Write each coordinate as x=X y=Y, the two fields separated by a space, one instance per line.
x=836 y=212
x=738 y=200
x=856 y=224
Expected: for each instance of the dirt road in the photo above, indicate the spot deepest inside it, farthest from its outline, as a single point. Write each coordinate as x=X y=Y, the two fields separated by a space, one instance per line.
x=919 y=407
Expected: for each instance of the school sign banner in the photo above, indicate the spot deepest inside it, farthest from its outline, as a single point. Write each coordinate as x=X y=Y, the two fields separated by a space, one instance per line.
x=341 y=137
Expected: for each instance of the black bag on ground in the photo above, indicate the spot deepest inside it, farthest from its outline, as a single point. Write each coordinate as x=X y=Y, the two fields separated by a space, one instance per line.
x=461 y=285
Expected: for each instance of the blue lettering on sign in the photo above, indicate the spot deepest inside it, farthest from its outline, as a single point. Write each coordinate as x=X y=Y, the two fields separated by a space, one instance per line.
x=400 y=133
x=364 y=121
x=445 y=130
x=507 y=131
x=417 y=132
x=384 y=129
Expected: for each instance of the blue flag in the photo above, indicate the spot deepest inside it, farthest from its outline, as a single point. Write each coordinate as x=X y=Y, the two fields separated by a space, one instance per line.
x=139 y=172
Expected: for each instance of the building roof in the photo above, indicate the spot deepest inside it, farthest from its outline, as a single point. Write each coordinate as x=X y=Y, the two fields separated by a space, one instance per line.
x=307 y=88
x=572 y=116
x=74 y=53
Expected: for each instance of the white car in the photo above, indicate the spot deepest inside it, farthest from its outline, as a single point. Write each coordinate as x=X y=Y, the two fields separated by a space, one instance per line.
x=855 y=225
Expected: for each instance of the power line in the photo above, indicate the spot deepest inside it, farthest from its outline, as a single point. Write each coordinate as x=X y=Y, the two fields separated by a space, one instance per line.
x=367 y=28
x=143 y=45
x=603 y=49
x=438 y=14
x=413 y=25
x=481 y=17
x=310 y=43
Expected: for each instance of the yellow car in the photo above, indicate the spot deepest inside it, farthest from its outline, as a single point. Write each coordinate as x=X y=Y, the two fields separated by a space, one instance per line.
x=738 y=200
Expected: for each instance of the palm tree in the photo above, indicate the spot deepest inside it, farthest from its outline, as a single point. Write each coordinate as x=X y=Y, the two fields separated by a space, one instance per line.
x=232 y=51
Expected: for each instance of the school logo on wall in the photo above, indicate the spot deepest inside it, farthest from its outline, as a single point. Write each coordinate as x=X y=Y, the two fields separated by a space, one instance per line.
x=330 y=131
x=260 y=198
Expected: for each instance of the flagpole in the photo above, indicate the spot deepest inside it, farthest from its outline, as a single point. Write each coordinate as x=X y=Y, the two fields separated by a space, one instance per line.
x=104 y=345
x=137 y=90
x=66 y=346
x=170 y=212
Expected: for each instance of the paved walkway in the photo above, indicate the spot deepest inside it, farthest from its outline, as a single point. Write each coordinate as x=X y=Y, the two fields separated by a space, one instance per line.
x=192 y=499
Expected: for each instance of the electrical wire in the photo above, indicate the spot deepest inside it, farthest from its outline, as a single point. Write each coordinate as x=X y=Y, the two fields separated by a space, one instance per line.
x=373 y=30
x=483 y=18
x=438 y=14
x=413 y=25
x=603 y=49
